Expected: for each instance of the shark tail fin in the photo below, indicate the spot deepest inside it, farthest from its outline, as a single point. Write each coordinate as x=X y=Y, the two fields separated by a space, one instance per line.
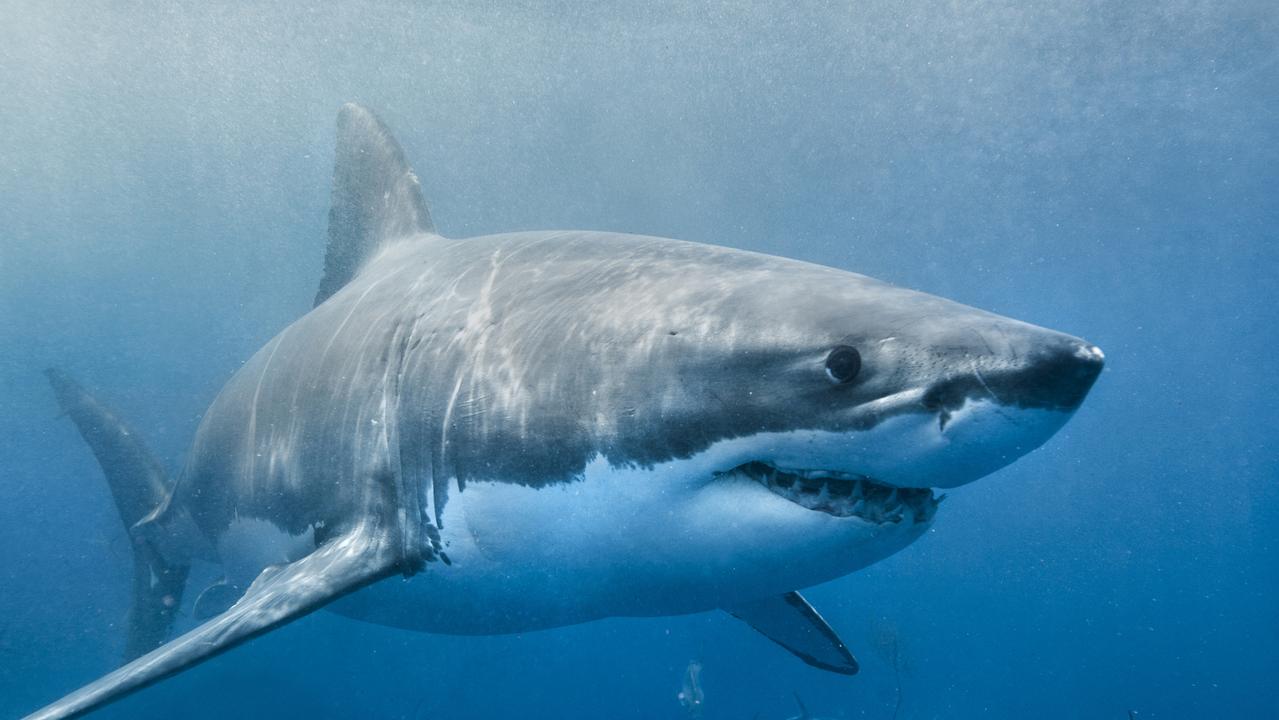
x=376 y=198
x=139 y=486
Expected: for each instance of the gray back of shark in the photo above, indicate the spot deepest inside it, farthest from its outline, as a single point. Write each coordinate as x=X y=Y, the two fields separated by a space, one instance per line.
x=543 y=428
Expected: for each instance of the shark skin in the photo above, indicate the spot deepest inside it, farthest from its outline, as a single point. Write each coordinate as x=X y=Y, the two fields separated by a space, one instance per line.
x=535 y=429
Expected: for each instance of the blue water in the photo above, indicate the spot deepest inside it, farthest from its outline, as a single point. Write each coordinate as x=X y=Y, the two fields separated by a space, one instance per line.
x=1110 y=169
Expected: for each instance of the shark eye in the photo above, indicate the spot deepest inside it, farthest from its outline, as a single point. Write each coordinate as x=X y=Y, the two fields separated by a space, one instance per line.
x=843 y=364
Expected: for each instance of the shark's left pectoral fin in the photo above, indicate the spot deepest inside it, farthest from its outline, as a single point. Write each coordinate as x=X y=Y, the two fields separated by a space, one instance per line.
x=791 y=622
x=279 y=595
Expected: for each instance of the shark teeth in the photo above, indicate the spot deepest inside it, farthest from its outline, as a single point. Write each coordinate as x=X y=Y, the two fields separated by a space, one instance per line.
x=845 y=494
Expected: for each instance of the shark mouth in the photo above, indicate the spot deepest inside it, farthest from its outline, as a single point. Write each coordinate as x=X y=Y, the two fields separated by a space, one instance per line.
x=845 y=495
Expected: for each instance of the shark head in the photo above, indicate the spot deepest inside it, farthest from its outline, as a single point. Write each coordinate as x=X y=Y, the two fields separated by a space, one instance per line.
x=819 y=412
x=852 y=402
x=824 y=381
x=733 y=423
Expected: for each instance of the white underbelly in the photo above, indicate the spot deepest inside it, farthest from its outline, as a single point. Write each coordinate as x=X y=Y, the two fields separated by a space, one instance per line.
x=522 y=559
x=651 y=541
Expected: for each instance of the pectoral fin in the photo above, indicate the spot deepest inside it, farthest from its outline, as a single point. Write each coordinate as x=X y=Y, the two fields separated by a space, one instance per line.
x=791 y=622
x=279 y=595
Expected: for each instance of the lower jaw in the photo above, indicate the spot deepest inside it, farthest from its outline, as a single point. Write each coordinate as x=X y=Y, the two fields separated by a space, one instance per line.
x=845 y=495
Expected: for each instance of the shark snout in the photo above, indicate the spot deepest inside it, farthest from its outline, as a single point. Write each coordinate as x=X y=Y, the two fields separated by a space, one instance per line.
x=1054 y=374
x=1056 y=378
x=1001 y=406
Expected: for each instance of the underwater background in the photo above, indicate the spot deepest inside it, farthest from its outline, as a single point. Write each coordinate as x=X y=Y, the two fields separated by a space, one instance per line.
x=1105 y=168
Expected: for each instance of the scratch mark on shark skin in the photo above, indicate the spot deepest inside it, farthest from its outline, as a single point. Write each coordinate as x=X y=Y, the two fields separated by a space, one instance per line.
x=252 y=434
x=478 y=323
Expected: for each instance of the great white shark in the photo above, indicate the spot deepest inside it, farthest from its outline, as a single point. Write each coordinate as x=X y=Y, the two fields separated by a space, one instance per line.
x=530 y=430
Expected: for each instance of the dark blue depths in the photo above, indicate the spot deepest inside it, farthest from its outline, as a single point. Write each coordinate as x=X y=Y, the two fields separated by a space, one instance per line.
x=1107 y=169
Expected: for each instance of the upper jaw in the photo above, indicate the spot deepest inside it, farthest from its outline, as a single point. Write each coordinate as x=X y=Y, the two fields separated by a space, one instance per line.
x=845 y=495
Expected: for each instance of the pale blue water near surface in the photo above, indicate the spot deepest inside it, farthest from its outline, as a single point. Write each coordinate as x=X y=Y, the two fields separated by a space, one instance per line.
x=1110 y=169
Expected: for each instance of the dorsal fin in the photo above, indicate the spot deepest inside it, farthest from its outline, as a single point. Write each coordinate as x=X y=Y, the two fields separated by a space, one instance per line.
x=376 y=198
